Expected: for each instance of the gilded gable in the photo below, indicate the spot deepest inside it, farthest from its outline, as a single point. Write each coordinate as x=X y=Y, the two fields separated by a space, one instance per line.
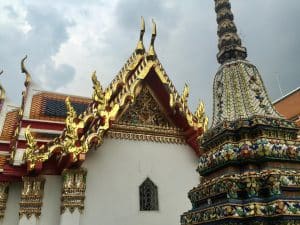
x=144 y=120
x=145 y=111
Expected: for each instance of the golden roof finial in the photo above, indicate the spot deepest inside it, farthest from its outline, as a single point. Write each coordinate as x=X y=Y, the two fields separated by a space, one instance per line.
x=71 y=113
x=152 y=52
x=185 y=94
x=2 y=94
x=200 y=116
x=142 y=26
x=140 y=46
x=153 y=31
x=24 y=70
x=31 y=142
x=98 y=94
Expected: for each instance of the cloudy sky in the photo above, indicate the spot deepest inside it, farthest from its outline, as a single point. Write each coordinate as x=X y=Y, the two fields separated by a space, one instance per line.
x=66 y=40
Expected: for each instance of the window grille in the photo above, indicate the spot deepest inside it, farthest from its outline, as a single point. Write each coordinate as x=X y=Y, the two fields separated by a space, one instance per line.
x=148 y=196
x=57 y=108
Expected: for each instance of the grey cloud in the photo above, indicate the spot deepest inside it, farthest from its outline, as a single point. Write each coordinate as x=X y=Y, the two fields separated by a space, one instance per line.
x=56 y=77
x=272 y=40
x=186 y=42
x=11 y=12
x=129 y=11
x=48 y=32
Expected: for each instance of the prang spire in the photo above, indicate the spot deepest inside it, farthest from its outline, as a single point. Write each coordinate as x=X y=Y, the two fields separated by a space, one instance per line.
x=245 y=154
x=230 y=44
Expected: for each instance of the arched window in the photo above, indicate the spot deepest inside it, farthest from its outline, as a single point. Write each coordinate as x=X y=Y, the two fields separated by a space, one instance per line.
x=148 y=196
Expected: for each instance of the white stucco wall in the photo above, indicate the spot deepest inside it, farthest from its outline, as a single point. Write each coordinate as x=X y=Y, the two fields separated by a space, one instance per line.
x=118 y=167
x=115 y=172
x=51 y=201
x=11 y=216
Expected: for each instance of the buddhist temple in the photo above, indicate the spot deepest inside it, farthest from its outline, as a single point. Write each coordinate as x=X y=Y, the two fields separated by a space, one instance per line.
x=127 y=155
x=124 y=156
x=250 y=164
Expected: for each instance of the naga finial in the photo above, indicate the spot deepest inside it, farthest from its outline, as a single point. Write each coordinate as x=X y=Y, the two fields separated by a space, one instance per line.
x=153 y=36
x=2 y=94
x=140 y=46
x=98 y=94
x=30 y=154
x=200 y=110
x=153 y=32
x=142 y=27
x=200 y=115
x=24 y=70
x=31 y=142
x=71 y=113
x=185 y=94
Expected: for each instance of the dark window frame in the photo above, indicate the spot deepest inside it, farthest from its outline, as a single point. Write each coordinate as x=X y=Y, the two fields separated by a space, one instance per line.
x=148 y=193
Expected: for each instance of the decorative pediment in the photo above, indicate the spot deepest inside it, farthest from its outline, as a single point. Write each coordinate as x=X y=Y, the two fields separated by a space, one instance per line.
x=145 y=120
x=145 y=111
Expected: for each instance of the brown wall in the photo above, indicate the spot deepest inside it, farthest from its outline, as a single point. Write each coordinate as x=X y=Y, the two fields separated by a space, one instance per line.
x=289 y=106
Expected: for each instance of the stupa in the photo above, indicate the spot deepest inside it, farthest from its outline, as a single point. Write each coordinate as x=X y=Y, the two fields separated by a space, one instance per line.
x=250 y=164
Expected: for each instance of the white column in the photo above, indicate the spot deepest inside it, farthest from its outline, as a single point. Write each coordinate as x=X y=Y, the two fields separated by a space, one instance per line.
x=28 y=220
x=31 y=200
x=70 y=218
x=73 y=195
x=3 y=199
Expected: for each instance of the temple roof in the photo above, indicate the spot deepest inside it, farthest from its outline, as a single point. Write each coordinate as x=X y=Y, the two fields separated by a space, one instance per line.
x=50 y=124
x=51 y=106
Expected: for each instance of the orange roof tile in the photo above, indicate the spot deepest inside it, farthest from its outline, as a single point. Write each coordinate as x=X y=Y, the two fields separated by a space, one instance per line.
x=9 y=125
x=2 y=161
x=39 y=102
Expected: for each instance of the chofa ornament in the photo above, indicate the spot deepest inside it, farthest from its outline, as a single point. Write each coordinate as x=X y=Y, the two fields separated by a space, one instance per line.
x=199 y=118
x=73 y=192
x=73 y=141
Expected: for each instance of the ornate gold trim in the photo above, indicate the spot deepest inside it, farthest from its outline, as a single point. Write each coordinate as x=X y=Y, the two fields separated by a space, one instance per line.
x=32 y=196
x=73 y=190
x=144 y=137
x=4 y=186
x=2 y=90
x=162 y=134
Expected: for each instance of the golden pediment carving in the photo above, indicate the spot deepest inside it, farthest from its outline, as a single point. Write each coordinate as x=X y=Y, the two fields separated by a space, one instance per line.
x=145 y=111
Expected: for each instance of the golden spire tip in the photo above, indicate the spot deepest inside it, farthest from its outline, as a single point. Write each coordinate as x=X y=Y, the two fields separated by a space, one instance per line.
x=151 y=52
x=140 y=46
x=142 y=24
x=153 y=28
x=2 y=90
x=24 y=70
